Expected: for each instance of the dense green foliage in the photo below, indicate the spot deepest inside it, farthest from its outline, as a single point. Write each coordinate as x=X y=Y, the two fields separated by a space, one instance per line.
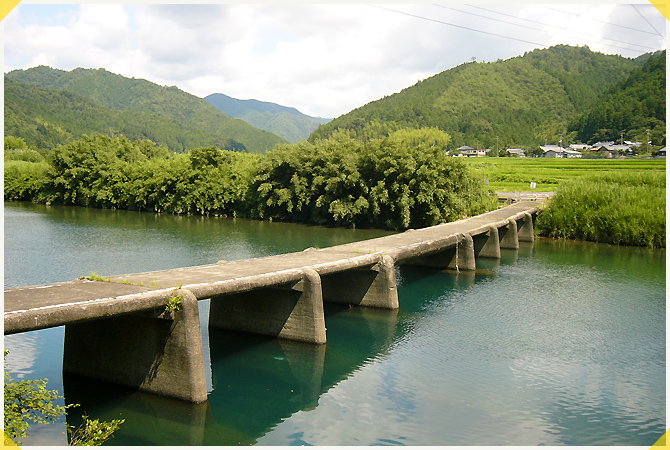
x=47 y=107
x=632 y=107
x=618 y=208
x=108 y=172
x=287 y=123
x=523 y=100
x=405 y=180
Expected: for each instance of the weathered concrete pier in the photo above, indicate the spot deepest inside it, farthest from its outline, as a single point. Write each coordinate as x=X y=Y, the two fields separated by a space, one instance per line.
x=125 y=331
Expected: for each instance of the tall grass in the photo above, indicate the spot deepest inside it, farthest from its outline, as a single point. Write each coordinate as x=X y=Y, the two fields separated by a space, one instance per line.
x=618 y=208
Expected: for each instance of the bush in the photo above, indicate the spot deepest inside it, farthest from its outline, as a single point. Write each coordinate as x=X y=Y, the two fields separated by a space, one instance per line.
x=405 y=180
x=25 y=180
x=29 y=401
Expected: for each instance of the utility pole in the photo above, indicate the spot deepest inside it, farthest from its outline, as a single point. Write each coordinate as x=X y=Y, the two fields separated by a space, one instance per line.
x=497 y=151
x=561 y=142
x=622 y=138
x=648 y=141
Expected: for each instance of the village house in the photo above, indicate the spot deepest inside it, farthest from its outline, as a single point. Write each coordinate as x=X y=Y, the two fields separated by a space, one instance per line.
x=580 y=147
x=472 y=152
x=516 y=152
x=554 y=151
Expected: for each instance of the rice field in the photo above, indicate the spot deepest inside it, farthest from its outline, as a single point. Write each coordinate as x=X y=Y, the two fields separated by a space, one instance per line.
x=516 y=174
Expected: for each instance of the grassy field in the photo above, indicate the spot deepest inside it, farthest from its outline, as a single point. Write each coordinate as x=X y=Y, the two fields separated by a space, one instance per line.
x=516 y=174
x=618 y=208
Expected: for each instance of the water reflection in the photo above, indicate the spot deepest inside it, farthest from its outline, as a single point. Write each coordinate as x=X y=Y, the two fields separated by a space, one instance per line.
x=256 y=383
x=149 y=419
x=560 y=343
x=73 y=241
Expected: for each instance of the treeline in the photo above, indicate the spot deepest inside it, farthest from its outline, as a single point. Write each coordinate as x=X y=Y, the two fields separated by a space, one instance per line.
x=404 y=180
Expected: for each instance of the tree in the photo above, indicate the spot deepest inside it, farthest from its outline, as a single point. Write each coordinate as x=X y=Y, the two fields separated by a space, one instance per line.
x=12 y=143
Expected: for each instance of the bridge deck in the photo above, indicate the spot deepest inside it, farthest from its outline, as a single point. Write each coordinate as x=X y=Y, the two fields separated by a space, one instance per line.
x=35 y=307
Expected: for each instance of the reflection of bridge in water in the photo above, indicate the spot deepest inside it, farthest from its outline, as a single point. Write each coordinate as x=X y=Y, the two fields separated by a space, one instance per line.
x=259 y=381
x=121 y=332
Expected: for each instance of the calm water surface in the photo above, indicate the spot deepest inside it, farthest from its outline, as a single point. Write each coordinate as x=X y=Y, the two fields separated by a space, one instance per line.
x=558 y=343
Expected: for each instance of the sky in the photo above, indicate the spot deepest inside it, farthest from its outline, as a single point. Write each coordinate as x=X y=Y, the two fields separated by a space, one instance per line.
x=323 y=59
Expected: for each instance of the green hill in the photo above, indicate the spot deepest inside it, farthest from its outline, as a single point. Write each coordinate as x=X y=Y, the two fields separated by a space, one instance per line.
x=85 y=101
x=522 y=101
x=633 y=106
x=288 y=123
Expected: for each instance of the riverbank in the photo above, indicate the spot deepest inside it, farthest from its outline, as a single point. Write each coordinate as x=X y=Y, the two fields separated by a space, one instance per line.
x=616 y=208
x=402 y=181
x=397 y=183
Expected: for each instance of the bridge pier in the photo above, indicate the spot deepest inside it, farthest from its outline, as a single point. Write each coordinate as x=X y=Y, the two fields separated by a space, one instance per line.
x=511 y=237
x=375 y=286
x=487 y=245
x=526 y=231
x=459 y=256
x=155 y=351
x=291 y=311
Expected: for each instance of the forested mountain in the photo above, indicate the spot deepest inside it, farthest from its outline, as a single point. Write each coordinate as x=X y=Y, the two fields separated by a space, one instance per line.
x=632 y=107
x=84 y=101
x=522 y=100
x=287 y=123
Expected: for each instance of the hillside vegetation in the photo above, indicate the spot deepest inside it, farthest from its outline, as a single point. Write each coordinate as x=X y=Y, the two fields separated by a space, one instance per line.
x=48 y=106
x=522 y=101
x=633 y=106
x=287 y=123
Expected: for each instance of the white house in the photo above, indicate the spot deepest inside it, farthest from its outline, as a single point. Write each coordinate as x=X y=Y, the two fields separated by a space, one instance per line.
x=472 y=152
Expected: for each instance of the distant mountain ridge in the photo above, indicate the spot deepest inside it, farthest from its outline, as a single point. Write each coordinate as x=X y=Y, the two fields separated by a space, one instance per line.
x=83 y=101
x=516 y=102
x=284 y=121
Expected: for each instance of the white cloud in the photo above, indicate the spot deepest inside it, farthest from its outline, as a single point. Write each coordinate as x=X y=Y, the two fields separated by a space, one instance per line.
x=322 y=59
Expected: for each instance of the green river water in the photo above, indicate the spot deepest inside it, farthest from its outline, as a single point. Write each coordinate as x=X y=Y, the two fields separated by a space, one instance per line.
x=558 y=343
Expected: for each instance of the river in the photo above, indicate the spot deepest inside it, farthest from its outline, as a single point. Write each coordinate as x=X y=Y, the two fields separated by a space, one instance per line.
x=558 y=343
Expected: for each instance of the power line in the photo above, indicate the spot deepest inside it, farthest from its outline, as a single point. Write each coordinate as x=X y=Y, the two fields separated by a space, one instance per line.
x=650 y=24
x=544 y=24
x=596 y=20
x=458 y=26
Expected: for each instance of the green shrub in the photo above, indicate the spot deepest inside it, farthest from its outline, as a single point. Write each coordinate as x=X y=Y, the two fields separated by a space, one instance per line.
x=25 y=180
x=405 y=180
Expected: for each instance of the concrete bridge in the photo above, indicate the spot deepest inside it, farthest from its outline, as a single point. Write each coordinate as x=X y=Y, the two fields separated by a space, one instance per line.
x=123 y=330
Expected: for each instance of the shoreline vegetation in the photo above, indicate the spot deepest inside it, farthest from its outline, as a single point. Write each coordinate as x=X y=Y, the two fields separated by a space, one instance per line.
x=405 y=180
x=402 y=181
